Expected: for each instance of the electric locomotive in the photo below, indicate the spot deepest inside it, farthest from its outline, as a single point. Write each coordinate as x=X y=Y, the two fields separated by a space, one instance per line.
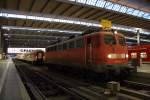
x=101 y=52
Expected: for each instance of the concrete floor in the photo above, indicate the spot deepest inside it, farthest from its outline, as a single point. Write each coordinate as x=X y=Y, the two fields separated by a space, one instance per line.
x=145 y=68
x=11 y=86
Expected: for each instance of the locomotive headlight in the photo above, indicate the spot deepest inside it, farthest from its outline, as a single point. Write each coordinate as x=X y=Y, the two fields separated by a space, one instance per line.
x=127 y=55
x=109 y=56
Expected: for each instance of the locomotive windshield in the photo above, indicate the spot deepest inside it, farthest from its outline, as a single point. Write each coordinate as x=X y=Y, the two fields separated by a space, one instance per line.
x=109 y=39
x=122 y=41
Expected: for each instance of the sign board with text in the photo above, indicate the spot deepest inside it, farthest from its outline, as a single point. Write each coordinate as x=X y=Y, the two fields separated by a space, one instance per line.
x=106 y=24
x=23 y=50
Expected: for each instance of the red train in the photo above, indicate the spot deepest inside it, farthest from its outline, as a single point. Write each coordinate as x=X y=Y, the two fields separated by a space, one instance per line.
x=140 y=52
x=36 y=57
x=102 y=52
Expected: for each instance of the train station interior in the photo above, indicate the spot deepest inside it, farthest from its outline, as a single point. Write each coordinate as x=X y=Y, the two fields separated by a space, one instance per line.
x=74 y=49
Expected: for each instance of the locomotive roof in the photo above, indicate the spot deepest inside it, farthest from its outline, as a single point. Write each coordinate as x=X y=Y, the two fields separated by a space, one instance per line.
x=87 y=34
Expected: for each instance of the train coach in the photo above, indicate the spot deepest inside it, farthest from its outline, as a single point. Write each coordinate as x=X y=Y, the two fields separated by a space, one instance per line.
x=36 y=57
x=102 y=52
x=139 y=52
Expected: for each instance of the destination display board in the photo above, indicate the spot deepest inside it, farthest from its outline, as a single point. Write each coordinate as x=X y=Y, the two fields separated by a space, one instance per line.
x=23 y=50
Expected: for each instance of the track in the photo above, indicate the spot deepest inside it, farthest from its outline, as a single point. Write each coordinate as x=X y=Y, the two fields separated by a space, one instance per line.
x=54 y=85
x=136 y=89
x=42 y=86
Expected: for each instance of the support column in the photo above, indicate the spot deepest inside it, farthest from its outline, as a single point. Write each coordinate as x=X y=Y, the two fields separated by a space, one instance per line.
x=138 y=37
x=1 y=51
x=139 y=54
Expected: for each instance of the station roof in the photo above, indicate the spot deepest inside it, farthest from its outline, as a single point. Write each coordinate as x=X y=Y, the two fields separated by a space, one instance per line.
x=132 y=13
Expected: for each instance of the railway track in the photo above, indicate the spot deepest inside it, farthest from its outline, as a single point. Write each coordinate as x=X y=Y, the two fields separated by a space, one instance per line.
x=140 y=90
x=43 y=87
x=76 y=89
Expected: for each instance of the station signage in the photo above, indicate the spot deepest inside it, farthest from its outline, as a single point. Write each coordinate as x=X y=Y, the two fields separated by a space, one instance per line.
x=23 y=50
x=106 y=24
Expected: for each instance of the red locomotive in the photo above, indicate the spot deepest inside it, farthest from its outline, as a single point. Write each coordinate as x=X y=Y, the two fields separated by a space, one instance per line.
x=101 y=52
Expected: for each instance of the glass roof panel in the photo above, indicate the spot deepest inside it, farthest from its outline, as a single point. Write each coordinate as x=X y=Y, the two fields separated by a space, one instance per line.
x=100 y=3
x=72 y=0
x=130 y=11
x=141 y=13
x=116 y=7
x=91 y=2
x=81 y=1
x=113 y=6
x=146 y=15
x=135 y=12
x=123 y=9
x=108 y=5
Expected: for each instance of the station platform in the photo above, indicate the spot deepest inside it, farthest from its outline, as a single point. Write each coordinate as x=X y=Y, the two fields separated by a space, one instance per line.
x=145 y=68
x=11 y=86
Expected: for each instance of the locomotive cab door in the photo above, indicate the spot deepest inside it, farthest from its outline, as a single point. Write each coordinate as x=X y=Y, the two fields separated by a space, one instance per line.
x=88 y=50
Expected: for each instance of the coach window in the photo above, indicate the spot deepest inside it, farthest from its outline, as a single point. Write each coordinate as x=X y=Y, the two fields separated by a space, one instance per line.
x=143 y=55
x=71 y=44
x=64 y=46
x=133 y=55
x=122 y=41
x=79 y=43
x=55 y=48
x=47 y=49
x=50 y=48
x=109 y=39
x=59 y=47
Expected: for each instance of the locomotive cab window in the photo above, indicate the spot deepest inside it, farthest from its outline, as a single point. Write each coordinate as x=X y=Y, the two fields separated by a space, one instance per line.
x=96 y=41
x=89 y=41
x=109 y=39
x=122 y=41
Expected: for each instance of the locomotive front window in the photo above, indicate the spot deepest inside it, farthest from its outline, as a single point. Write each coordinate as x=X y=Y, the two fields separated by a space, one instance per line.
x=109 y=39
x=122 y=41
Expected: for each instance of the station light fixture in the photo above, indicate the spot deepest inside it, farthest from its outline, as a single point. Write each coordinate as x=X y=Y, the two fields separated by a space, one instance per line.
x=40 y=29
x=43 y=36
x=131 y=38
x=46 y=18
x=54 y=30
x=115 y=32
x=61 y=19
